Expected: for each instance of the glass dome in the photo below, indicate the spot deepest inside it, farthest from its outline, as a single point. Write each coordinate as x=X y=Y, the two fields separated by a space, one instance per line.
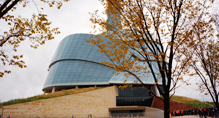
x=78 y=63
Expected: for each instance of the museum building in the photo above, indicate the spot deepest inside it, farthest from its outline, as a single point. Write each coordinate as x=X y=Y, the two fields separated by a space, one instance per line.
x=77 y=64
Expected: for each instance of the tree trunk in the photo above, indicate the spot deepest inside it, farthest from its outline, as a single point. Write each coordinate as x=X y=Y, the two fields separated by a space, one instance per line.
x=166 y=106
x=216 y=104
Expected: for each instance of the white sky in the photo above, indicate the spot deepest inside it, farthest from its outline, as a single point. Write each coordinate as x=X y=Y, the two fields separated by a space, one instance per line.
x=72 y=18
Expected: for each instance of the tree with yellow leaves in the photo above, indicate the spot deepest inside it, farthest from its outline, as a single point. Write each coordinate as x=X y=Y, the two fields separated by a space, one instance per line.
x=151 y=37
x=37 y=29
x=206 y=50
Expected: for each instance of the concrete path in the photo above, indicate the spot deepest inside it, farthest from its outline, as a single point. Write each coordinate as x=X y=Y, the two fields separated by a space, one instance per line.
x=195 y=116
x=192 y=116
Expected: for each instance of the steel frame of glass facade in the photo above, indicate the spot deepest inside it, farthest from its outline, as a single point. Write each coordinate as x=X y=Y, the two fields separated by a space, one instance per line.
x=136 y=95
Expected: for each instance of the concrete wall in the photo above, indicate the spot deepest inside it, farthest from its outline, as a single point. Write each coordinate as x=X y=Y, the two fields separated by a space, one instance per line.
x=153 y=113
x=94 y=102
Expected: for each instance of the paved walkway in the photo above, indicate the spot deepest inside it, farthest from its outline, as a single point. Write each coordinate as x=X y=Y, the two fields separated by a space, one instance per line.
x=195 y=116
x=192 y=116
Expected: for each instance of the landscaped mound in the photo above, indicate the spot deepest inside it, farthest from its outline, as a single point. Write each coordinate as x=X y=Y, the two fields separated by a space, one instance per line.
x=186 y=100
x=191 y=101
x=49 y=95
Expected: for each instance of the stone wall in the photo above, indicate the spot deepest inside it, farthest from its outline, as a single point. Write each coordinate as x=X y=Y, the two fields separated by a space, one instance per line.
x=94 y=102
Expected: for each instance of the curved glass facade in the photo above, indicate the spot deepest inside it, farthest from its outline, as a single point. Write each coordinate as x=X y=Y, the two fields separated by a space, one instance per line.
x=77 y=62
x=78 y=71
x=75 y=47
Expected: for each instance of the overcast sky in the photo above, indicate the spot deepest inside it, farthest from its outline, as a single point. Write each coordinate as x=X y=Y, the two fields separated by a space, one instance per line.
x=72 y=18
